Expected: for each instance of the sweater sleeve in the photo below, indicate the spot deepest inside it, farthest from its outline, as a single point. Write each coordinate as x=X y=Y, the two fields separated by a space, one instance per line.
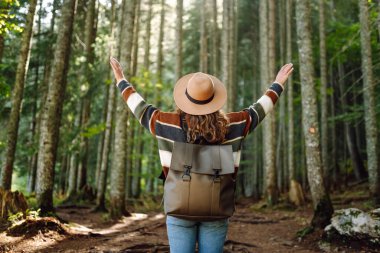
x=145 y=113
x=258 y=110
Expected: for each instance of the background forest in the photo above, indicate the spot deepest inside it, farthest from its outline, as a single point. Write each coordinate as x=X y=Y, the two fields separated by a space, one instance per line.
x=67 y=136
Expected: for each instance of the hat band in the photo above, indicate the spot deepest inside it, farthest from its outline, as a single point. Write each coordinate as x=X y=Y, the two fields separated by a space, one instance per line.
x=199 y=102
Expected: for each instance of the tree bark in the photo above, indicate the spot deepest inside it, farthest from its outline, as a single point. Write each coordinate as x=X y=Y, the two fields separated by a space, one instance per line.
x=323 y=209
x=369 y=103
x=51 y=116
x=17 y=94
x=120 y=152
x=269 y=123
x=378 y=20
x=179 y=37
x=357 y=161
x=228 y=57
x=214 y=39
x=160 y=41
x=33 y=159
x=148 y=34
x=2 y=44
x=203 y=61
x=62 y=176
x=136 y=37
x=89 y=40
x=334 y=167
x=323 y=90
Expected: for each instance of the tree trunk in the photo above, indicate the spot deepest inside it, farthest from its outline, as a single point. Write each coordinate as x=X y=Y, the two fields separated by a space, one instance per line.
x=203 y=61
x=51 y=116
x=148 y=34
x=2 y=44
x=228 y=57
x=62 y=176
x=324 y=115
x=269 y=124
x=43 y=89
x=369 y=103
x=357 y=161
x=160 y=41
x=89 y=40
x=323 y=209
x=119 y=159
x=32 y=161
x=233 y=82
x=214 y=39
x=378 y=20
x=136 y=30
x=179 y=37
x=334 y=167
x=74 y=156
x=280 y=149
x=17 y=94
x=226 y=31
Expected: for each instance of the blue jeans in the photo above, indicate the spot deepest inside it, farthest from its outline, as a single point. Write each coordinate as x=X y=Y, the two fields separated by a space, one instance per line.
x=183 y=235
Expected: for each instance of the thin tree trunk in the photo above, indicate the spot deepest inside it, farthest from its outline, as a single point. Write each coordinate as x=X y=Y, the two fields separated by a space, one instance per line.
x=33 y=124
x=203 y=61
x=225 y=42
x=74 y=156
x=120 y=152
x=323 y=95
x=214 y=38
x=334 y=167
x=269 y=123
x=89 y=40
x=323 y=209
x=369 y=103
x=357 y=161
x=232 y=84
x=378 y=20
x=136 y=30
x=160 y=41
x=17 y=94
x=179 y=37
x=43 y=89
x=2 y=44
x=62 y=176
x=227 y=51
x=51 y=117
x=148 y=34
x=263 y=10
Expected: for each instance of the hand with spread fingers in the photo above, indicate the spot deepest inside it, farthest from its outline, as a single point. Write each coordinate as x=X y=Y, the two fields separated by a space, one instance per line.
x=284 y=73
x=117 y=70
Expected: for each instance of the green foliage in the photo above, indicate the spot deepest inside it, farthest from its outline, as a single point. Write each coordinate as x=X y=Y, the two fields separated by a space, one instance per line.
x=17 y=217
x=304 y=232
x=8 y=19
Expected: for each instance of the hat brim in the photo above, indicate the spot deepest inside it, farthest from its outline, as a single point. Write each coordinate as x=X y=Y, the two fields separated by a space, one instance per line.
x=183 y=103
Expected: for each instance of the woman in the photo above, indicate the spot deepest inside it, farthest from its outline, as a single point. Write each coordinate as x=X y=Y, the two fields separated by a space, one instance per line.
x=198 y=119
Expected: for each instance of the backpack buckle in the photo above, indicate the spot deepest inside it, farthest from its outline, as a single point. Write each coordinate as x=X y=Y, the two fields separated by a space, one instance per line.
x=216 y=177
x=186 y=174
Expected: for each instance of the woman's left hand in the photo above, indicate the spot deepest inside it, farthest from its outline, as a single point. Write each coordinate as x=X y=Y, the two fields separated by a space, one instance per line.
x=117 y=69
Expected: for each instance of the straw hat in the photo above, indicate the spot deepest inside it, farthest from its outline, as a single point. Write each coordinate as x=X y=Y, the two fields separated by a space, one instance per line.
x=199 y=94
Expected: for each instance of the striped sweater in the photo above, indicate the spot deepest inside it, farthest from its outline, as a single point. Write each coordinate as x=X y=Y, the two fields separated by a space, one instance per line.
x=166 y=126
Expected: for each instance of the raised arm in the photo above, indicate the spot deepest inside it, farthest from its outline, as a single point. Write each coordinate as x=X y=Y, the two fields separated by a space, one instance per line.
x=265 y=104
x=144 y=112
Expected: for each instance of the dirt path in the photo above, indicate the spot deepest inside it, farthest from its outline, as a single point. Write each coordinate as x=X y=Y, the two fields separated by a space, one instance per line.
x=249 y=231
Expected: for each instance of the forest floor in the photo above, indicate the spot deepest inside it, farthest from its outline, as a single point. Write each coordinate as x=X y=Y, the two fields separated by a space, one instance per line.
x=253 y=228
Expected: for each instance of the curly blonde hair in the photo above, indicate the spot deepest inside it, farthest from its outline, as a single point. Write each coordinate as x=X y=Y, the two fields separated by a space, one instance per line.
x=211 y=127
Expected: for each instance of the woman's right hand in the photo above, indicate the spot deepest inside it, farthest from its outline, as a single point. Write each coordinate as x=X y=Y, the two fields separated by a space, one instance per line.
x=117 y=70
x=284 y=73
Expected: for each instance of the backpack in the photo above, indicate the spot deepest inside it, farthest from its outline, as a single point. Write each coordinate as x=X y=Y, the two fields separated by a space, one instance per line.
x=200 y=184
